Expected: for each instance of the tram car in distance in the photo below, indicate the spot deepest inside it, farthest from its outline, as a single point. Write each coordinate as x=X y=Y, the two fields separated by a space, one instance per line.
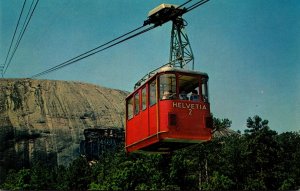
x=169 y=111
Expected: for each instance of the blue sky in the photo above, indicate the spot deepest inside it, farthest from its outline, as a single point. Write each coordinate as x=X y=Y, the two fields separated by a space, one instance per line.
x=249 y=48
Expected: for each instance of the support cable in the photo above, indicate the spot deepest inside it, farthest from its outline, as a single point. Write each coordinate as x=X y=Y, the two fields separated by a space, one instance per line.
x=94 y=51
x=22 y=32
x=83 y=54
x=196 y=5
x=97 y=49
x=13 y=38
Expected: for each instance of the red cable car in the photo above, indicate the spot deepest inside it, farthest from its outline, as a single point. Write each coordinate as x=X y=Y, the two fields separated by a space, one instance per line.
x=169 y=111
x=169 y=108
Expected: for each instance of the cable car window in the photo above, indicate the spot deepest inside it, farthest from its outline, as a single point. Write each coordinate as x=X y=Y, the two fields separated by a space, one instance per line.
x=152 y=92
x=204 y=87
x=188 y=87
x=167 y=84
x=194 y=95
x=130 y=108
x=144 y=98
x=137 y=104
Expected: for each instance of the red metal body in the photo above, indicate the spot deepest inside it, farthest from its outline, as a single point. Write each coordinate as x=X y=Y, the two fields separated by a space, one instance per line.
x=158 y=124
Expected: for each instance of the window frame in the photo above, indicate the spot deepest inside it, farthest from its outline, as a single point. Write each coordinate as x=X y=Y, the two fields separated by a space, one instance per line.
x=129 y=112
x=170 y=87
x=144 y=98
x=152 y=98
x=204 y=89
x=136 y=103
x=188 y=91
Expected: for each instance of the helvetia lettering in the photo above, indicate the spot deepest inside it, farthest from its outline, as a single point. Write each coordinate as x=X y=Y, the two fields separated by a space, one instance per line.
x=189 y=105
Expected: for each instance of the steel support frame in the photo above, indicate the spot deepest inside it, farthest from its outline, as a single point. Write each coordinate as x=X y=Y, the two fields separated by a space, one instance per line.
x=181 y=53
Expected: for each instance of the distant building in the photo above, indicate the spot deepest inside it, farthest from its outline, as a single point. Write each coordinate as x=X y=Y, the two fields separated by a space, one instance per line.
x=99 y=141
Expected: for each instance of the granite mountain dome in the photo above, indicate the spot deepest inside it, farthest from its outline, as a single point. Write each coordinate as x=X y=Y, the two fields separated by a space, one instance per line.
x=44 y=119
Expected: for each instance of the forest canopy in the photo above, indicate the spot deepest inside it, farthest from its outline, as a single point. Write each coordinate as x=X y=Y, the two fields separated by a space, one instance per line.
x=257 y=159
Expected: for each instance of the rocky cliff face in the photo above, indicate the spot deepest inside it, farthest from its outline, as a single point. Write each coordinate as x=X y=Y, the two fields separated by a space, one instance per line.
x=44 y=120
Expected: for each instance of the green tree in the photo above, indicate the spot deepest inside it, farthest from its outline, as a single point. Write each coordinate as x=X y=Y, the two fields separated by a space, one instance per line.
x=17 y=180
x=262 y=153
x=221 y=126
x=41 y=177
x=60 y=178
x=136 y=171
x=255 y=183
x=288 y=168
x=218 y=182
x=79 y=174
x=179 y=169
x=232 y=159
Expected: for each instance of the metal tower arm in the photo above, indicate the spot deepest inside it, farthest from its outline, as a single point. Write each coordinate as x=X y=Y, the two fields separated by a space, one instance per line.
x=180 y=49
x=181 y=53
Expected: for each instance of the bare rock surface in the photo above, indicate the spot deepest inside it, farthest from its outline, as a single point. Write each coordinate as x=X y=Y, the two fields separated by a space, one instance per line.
x=44 y=119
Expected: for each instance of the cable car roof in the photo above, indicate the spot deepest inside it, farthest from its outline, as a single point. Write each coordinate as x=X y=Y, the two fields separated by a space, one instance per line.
x=181 y=70
x=165 y=69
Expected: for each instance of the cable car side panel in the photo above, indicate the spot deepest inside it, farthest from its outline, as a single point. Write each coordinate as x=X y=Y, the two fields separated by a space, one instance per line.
x=185 y=120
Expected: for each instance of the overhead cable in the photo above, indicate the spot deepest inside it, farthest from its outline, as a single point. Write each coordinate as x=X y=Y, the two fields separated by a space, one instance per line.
x=13 y=38
x=94 y=51
x=97 y=49
x=196 y=5
x=24 y=27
